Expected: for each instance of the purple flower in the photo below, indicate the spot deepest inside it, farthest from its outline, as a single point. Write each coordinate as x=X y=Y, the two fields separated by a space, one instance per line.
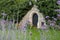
x=49 y=21
x=47 y=17
x=3 y=21
x=55 y=19
x=42 y=23
x=58 y=2
x=58 y=10
x=10 y=22
x=52 y=23
x=58 y=15
x=43 y=27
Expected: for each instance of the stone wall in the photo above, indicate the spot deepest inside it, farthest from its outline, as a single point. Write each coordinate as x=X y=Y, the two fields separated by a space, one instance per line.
x=29 y=15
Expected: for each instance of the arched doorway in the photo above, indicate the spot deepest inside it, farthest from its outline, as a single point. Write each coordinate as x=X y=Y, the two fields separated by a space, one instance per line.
x=35 y=19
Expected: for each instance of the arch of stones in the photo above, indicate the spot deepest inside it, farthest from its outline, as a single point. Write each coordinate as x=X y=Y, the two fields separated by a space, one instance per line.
x=28 y=18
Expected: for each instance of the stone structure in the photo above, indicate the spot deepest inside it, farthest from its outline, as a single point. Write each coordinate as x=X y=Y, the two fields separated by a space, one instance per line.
x=34 y=17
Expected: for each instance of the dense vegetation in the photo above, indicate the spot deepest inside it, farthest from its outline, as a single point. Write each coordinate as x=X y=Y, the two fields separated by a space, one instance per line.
x=20 y=7
x=16 y=9
x=30 y=34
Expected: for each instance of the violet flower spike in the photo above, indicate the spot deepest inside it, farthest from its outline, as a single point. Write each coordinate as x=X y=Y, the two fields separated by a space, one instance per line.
x=58 y=15
x=58 y=2
x=55 y=19
x=47 y=17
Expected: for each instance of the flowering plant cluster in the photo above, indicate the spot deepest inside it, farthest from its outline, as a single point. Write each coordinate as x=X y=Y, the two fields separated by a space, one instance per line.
x=52 y=21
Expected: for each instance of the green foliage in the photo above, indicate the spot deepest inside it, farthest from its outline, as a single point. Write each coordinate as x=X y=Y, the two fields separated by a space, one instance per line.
x=18 y=8
x=48 y=7
x=14 y=9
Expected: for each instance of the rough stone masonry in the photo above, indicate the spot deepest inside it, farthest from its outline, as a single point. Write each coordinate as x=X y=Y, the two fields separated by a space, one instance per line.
x=34 y=17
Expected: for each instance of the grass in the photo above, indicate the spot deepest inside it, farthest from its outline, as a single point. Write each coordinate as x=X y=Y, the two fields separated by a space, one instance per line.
x=37 y=34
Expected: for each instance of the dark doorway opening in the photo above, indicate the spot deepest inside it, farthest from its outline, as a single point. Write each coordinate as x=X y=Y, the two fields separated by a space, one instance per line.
x=35 y=19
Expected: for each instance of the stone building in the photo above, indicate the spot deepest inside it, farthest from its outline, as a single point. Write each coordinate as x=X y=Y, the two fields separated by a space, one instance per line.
x=34 y=17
